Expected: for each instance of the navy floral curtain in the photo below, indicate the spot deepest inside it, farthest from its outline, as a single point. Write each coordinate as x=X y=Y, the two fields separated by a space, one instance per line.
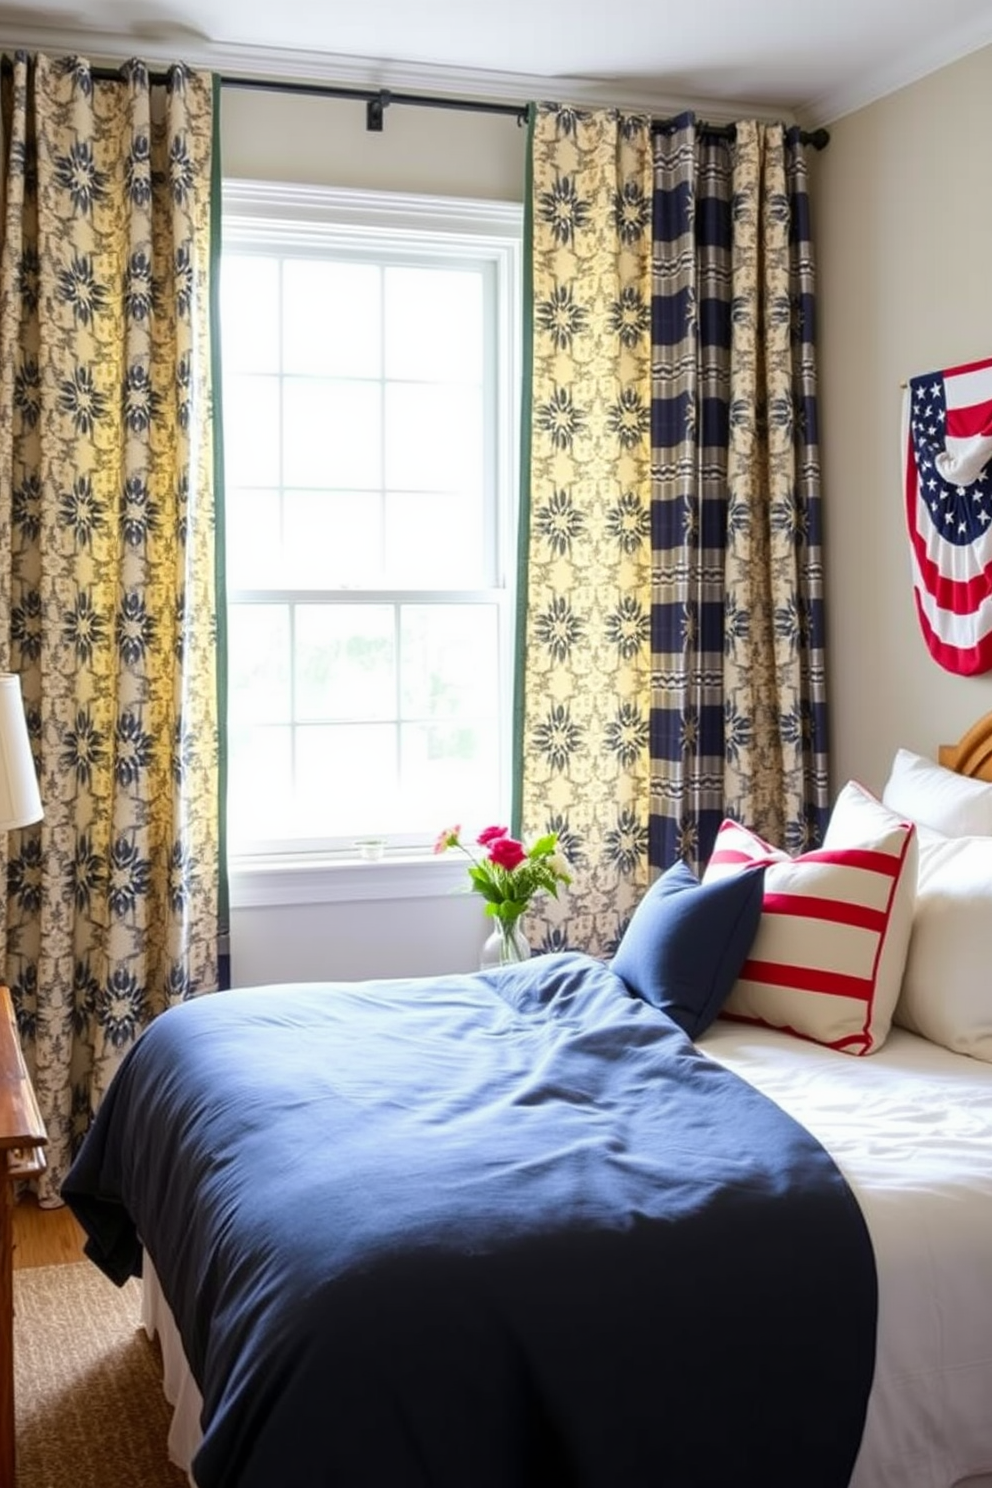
x=107 y=563
x=671 y=629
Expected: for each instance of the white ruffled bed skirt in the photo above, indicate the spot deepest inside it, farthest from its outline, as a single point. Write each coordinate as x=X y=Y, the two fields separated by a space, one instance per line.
x=178 y=1384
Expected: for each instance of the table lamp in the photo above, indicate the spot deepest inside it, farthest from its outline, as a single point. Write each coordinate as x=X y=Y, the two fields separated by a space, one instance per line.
x=20 y=801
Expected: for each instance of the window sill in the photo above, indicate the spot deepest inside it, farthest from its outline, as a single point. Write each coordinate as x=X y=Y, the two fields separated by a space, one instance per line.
x=257 y=883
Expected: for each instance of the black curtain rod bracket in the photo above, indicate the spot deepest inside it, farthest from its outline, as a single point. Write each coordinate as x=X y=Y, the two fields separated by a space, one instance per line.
x=375 y=109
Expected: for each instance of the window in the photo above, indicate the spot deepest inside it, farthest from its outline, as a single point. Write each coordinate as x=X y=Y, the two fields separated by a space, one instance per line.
x=370 y=356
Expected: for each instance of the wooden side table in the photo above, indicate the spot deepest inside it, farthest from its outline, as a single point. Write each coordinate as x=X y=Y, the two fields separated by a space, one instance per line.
x=22 y=1137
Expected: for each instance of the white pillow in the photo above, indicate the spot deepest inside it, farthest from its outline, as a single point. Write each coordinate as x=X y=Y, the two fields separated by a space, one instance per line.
x=828 y=957
x=947 y=987
x=938 y=798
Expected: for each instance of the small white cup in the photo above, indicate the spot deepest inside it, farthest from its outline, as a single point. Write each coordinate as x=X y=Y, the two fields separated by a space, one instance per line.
x=371 y=849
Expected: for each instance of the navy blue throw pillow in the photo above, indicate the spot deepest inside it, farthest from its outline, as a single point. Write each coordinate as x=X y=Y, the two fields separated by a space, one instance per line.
x=686 y=943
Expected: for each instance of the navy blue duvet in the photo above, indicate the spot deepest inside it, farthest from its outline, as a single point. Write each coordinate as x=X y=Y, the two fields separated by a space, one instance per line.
x=502 y=1230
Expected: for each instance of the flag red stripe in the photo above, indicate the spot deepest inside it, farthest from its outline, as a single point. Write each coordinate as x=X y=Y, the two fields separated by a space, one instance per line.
x=966 y=367
x=965 y=423
x=965 y=661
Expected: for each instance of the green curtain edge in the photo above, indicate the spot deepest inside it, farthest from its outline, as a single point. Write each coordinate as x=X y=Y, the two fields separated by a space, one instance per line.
x=524 y=503
x=220 y=565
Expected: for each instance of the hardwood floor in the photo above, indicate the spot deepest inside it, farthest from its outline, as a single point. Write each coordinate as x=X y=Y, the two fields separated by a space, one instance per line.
x=45 y=1237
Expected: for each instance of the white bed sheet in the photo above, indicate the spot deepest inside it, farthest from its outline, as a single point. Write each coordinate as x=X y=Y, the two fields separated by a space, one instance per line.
x=910 y=1127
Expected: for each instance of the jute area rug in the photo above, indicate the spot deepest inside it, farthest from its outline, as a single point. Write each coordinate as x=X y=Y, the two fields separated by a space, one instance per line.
x=89 y=1407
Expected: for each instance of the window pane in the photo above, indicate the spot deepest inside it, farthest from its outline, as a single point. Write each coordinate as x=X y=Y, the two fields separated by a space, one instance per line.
x=259 y=663
x=448 y=772
x=251 y=430
x=347 y=779
x=434 y=324
x=332 y=318
x=253 y=540
x=345 y=662
x=332 y=433
x=434 y=542
x=450 y=656
x=333 y=539
x=260 y=783
x=433 y=438
x=249 y=309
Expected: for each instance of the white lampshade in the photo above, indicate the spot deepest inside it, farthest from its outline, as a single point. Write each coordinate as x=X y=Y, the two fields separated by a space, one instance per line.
x=20 y=801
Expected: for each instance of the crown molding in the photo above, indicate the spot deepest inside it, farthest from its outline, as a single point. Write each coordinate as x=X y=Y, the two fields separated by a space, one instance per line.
x=905 y=68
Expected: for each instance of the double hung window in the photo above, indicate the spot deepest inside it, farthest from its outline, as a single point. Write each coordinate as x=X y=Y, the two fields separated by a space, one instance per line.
x=369 y=352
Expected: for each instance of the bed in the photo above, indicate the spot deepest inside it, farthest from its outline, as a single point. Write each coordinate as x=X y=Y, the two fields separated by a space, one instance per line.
x=577 y=1223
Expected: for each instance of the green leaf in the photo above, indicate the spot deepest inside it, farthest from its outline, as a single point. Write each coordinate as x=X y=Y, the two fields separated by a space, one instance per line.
x=544 y=846
x=483 y=885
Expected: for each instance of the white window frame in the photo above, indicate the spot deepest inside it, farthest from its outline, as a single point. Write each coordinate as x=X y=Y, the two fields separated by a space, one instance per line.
x=289 y=217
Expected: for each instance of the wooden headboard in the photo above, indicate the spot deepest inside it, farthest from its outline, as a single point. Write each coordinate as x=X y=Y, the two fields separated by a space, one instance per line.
x=972 y=754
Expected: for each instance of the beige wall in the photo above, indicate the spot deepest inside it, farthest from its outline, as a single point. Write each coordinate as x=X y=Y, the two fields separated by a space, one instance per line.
x=324 y=141
x=902 y=222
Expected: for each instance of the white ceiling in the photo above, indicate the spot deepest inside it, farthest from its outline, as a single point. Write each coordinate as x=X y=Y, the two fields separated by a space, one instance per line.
x=815 y=61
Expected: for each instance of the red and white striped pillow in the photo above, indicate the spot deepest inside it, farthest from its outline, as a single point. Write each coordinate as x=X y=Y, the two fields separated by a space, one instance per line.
x=828 y=958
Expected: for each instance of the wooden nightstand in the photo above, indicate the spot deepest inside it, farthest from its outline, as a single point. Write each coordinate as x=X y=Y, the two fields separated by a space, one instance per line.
x=22 y=1136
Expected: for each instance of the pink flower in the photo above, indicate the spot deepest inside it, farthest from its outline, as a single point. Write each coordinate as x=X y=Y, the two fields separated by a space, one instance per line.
x=510 y=874
x=448 y=838
x=491 y=834
x=506 y=852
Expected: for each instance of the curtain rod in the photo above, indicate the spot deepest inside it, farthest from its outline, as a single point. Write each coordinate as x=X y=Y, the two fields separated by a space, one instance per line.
x=377 y=100
x=818 y=138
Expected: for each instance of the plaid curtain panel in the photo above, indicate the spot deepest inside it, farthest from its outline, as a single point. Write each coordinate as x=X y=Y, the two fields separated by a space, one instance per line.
x=738 y=715
x=672 y=629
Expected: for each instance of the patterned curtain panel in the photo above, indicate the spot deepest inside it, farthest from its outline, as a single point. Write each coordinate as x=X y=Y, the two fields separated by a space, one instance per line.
x=739 y=707
x=585 y=641
x=671 y=635
x=107 y=572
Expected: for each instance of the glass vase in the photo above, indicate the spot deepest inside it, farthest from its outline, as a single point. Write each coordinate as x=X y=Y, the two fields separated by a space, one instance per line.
x=506 y=945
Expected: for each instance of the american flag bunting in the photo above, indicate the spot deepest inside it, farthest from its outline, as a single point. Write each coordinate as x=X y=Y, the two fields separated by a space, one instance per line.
x=947 y=440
